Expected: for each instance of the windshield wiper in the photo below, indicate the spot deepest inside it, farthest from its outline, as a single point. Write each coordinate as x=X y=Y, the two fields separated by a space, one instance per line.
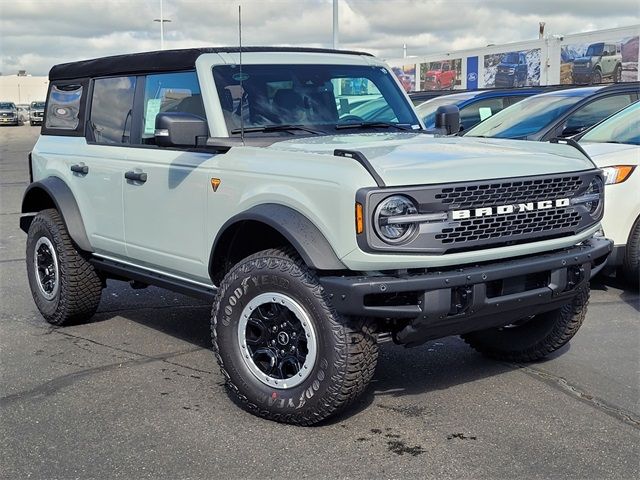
x=342 y=126
x=276 y=128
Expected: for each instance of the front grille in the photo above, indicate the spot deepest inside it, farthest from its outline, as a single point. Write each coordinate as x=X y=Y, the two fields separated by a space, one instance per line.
x=505 y=193
x=524 y=223
x=489 y=214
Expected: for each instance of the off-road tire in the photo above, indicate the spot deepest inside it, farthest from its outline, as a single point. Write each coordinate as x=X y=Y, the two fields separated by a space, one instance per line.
x=631 y=262
x=535 y=339
x=596 y=76
x=80 y=286
x=617 y=74
x=347 y=349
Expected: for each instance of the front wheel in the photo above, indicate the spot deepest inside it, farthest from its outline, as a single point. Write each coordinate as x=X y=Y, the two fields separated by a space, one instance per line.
x=284 y=351
x=534 y=338
x=631 y=263
x=596 y=77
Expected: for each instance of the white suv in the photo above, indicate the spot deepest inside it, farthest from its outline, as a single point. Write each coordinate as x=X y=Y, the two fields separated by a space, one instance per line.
x=312 y=231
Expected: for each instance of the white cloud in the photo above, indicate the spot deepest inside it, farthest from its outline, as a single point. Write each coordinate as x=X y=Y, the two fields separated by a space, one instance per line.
x=36 y=34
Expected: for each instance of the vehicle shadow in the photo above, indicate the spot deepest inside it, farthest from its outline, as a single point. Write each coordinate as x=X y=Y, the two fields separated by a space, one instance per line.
x=436 y=365
x=628 y=295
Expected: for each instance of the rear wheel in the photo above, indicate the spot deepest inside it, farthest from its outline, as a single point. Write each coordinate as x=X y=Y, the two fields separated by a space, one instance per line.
x=534 y=338
x=284 y=351
x=65 y=286
x=617 y=74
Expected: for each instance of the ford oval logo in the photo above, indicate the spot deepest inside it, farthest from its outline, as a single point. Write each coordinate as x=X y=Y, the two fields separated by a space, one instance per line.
x=472 y=77
x=283 y=338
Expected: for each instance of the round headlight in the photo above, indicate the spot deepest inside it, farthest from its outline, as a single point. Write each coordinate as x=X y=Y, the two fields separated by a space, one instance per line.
x=595 y=188
x=388 y=218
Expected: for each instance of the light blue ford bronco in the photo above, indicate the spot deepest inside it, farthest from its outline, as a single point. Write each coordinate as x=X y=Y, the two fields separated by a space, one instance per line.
x=244 y=178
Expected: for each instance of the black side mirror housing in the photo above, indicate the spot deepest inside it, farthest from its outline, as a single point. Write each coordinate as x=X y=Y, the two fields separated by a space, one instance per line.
x=178 y=129
x=448 y=119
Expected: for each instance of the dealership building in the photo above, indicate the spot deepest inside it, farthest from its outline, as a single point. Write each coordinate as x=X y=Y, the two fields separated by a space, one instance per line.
x=22 y=89
x=605 y=55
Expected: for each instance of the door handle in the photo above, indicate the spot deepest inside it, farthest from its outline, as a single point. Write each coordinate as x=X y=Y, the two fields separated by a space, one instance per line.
x=136 y=176
x=80 y=168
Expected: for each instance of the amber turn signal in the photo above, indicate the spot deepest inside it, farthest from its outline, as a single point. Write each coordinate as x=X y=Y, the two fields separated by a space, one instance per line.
x=617 y=173
x=359 y=219
x=215 y=183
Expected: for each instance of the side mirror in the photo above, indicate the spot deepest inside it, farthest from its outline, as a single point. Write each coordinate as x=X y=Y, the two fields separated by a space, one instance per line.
x=178 y=129
x=448 y=119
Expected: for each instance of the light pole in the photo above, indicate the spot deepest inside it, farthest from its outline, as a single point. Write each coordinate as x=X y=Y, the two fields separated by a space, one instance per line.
x=335 y=24
x=162 y=21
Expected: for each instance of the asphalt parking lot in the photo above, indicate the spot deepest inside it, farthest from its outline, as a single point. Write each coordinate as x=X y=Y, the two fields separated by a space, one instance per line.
x=137 y=393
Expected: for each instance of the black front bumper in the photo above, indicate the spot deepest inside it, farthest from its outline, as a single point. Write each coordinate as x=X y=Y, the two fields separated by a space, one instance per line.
x=450 y=302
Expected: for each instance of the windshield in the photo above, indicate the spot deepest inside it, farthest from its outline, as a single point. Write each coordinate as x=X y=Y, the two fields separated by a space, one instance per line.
x=427 y=110
x=316 y=96
x=622 y=127
x=7 y=105
x=510 y=58
x=436 y=66
x=525 y=117
x=37 y=104
x=594 y=50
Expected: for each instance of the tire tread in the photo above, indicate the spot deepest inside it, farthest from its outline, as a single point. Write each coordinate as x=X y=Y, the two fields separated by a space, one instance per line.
x=355 y=342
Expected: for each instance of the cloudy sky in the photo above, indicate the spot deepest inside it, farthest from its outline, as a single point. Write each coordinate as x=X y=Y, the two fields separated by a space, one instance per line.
x=35 y=34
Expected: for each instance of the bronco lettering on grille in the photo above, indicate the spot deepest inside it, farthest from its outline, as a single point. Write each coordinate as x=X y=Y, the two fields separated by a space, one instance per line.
x=509 y=209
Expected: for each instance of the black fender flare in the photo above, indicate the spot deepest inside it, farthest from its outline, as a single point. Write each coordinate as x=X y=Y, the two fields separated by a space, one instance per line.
x=300 y=232
x=62 y=196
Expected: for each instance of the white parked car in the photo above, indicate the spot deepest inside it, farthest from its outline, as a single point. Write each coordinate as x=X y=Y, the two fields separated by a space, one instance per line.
x=614 y=145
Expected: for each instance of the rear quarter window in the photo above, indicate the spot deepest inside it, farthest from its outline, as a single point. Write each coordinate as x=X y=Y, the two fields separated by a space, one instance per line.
x=65 y=108
x=63 y=112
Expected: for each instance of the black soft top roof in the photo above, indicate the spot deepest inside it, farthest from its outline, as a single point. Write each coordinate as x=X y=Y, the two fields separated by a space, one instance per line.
x=162 y=60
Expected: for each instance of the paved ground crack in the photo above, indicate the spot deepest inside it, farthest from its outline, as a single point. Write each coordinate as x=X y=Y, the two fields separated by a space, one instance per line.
x=10 y=260
x=131 y=352
x=564 y=386
x=52 y=386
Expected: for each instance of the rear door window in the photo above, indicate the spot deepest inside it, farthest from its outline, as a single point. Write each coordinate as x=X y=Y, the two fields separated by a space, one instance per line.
x=112 y=109
x=169 y=92
x=475 y=113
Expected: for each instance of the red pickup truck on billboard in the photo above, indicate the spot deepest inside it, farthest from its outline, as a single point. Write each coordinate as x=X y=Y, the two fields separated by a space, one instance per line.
x=439 y=75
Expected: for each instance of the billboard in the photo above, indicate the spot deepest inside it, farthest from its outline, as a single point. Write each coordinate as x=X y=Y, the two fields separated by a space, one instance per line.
x=407 y=76
x=615 y=60
x=441 y=75
x=512 y=69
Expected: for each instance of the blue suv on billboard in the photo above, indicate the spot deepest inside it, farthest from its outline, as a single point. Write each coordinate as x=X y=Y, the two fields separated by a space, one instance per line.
x=512 y=70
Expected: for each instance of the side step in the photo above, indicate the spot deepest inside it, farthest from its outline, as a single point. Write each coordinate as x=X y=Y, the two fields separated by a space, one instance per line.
x=122 y=271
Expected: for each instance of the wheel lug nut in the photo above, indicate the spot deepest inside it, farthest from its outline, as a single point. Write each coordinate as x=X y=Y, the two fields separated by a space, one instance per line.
x=273 y=342
x=281 y=352
x=274 y=328
x=293 y=335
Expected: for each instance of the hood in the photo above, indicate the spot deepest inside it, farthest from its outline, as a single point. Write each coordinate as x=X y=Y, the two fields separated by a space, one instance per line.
x=606 y=154
x=582 y=60
x=433 y=72
x=418 y=159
